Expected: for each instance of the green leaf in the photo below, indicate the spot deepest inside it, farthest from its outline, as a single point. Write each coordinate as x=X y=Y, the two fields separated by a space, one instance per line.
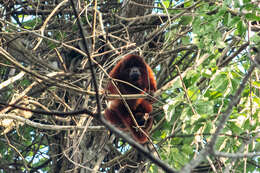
x=206 y=74
x=204 y=107
x=256 y=39
x=197 y=126
x=212 y=94
x=229 y=19
x=256 y=100
x=235 y=129
x=252 y=17
x=169 y=109
x=249 y=6
x=246 y=1
x=188 y=4
x=241 y=28
x=208 y=128
x=191 y=74
x=196 y=26
x=153 y=168
x=185 y=20
x=234 y=21
x=220 y=142
x=176 y=84
x=187 y=149
x=220 y=83
x=186 y=40
x=220 y=43
x=193 y=93
x=247 y=125
x=166 y=3
x=178 y=157
x=176 y=141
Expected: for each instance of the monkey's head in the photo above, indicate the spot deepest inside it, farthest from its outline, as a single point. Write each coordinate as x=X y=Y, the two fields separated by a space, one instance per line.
x=133 y=70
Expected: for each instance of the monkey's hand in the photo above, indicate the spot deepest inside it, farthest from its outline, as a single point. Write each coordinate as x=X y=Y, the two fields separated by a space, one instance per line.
x=150 y=98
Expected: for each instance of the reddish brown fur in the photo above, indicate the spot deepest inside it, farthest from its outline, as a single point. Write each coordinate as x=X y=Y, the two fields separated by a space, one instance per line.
x=116 y=112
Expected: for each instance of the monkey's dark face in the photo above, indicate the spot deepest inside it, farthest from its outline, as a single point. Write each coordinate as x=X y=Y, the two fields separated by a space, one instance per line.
x=134 y=71
x=134 y=74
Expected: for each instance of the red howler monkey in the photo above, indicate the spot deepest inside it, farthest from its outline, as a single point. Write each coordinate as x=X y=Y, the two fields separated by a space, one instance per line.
x=134 y=70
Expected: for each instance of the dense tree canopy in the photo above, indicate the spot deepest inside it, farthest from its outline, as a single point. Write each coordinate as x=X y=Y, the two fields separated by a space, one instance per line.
x=55 y=57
